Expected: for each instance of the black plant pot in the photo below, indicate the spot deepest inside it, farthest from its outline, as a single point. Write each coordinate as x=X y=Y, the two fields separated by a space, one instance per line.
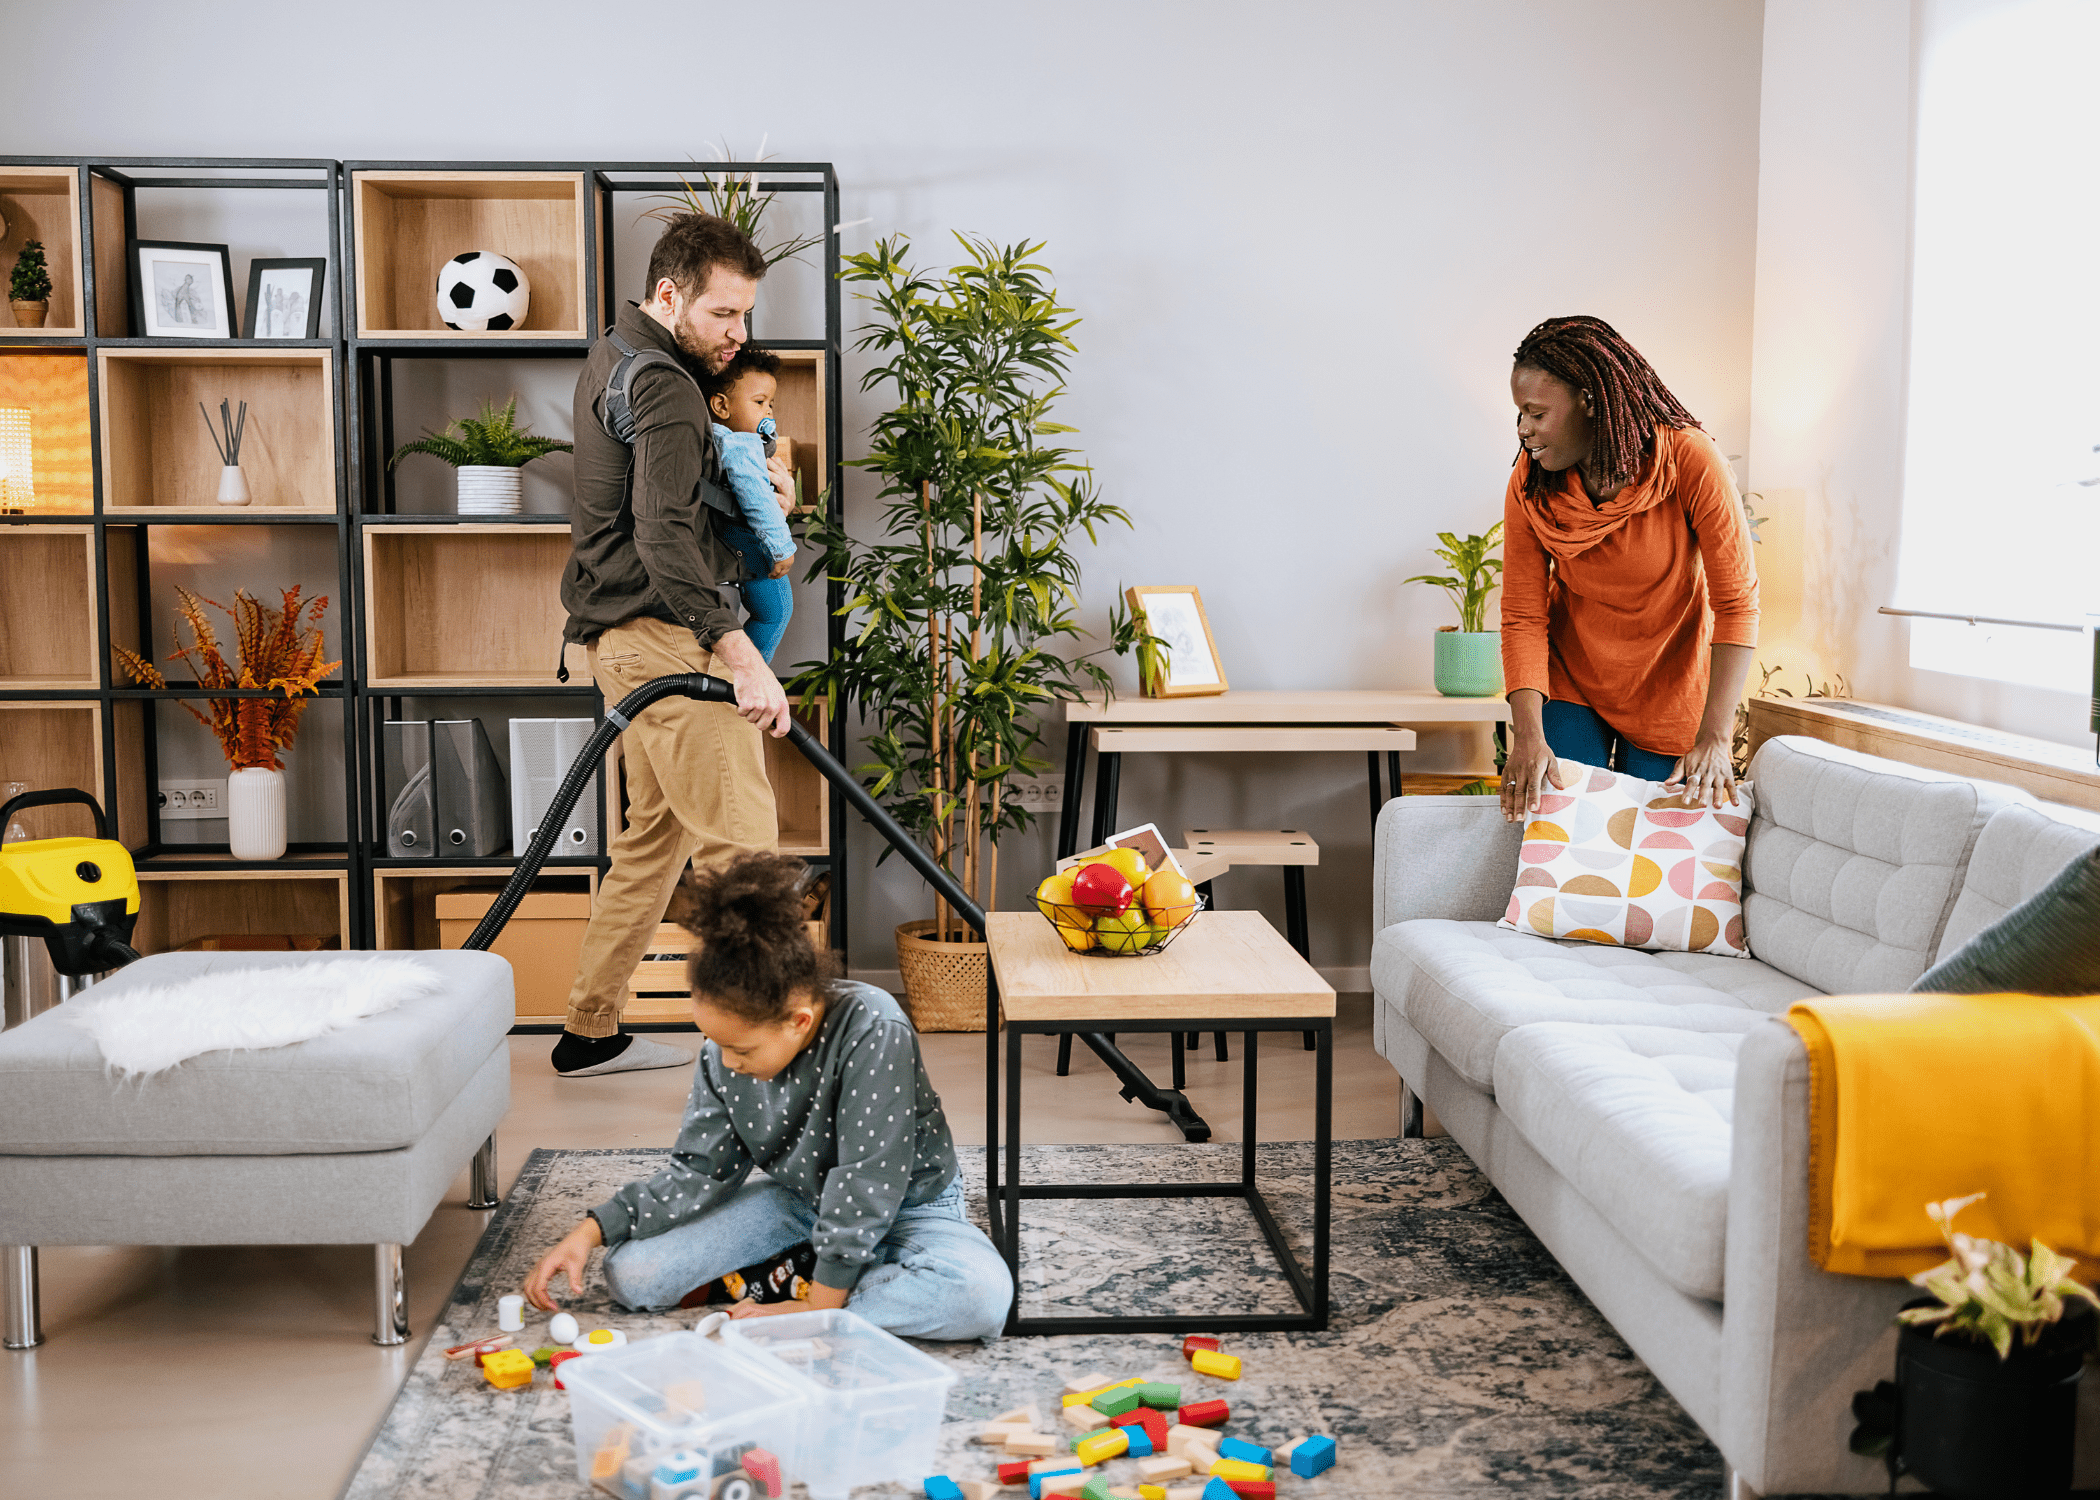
x=1974 y=1427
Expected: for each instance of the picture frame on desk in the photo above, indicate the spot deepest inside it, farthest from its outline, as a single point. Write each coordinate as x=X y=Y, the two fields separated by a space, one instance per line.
x=284 y=297
x=181 y=290
x=1188 y=666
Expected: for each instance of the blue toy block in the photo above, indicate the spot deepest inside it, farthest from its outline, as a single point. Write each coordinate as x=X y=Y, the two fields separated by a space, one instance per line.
x=1140 y=1443
x=1035 y=1481
x=941 y=1487
x=1240 y=1448
x=1312 y=1456
x=1218 y=1489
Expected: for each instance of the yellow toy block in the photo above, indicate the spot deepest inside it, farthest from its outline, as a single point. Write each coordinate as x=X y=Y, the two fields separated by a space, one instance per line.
x=1210 y=1362
x=1151 y=1492
x=1084 y=1418
x=1163 y=1466
x=1100 y=1447
x=1229 y=1469
x=1030 y=1444
x=1081 y=1398
x=507 y=1369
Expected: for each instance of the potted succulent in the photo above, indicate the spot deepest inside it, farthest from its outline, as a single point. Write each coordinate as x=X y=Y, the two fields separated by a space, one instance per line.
x=488 y=451
x=280 y=651
x=1984 y=1404
x=1468 y=654
x=959 y=612
x=29 y=286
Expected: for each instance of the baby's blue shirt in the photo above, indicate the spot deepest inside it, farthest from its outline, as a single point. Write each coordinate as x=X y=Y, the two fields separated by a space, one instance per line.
x=744 y=458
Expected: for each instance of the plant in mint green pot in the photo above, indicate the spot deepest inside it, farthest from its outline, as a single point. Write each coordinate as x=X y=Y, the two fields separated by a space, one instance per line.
x=1468 y=655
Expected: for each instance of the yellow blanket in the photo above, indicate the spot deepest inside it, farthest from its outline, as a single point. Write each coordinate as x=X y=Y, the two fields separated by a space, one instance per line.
x=1919 y=1098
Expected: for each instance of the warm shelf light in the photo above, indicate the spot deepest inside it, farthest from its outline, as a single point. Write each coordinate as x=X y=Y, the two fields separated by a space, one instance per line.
x=17 y=476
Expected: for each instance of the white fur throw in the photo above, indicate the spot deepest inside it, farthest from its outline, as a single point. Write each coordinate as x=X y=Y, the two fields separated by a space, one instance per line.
x=152 y=1028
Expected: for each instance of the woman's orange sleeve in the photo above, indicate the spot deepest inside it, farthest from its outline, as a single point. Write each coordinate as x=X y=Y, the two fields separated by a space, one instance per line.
x=1716 y=512
x=1524 y=576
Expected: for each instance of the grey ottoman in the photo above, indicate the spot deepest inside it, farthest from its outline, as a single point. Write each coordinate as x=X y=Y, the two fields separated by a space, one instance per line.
x=346 y=1139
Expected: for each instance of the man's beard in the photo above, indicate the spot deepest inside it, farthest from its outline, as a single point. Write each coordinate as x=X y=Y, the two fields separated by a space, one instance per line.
x=714 y=360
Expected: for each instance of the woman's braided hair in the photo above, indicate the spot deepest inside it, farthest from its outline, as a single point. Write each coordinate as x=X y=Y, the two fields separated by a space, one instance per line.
x=754 y=955
x=1628 y=401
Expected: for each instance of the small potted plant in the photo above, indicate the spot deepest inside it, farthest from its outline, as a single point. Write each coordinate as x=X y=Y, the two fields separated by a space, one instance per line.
x=1468 y=654
x=29 y=287
x=1985 y=1398
x=488 y=451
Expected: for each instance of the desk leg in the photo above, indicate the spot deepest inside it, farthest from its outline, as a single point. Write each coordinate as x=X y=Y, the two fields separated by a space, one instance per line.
x=991 y=1102
x=1250 y=1065
x=1392 y=770
x=1296 y=927
x=1377 y=794
x=1011 y=1245
x=1064 y=1055
x=1181 y=1072
x=1323 y=1167
x=1109 y=763
x=1075 y=789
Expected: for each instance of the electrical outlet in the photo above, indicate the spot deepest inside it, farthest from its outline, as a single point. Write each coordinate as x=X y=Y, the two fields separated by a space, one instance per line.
x=1039 y=794
x=192 y=799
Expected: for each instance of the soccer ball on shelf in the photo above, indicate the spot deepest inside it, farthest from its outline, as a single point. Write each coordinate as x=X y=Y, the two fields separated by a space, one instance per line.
x=480 y=290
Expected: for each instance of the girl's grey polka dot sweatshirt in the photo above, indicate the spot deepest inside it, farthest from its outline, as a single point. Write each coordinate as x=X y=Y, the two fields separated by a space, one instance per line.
x=852 y=1127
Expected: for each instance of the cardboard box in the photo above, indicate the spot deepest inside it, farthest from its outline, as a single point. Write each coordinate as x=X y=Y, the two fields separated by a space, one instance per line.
x=543 y=942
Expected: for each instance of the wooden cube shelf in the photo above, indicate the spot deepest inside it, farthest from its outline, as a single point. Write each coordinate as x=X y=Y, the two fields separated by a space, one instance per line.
x=180 y=906
x=157 y=456
x=53 y=745
x=408 y=224
x=463 y=606
x=43 y=203
x=52 y=386
x=47 y=608
x=798 y=411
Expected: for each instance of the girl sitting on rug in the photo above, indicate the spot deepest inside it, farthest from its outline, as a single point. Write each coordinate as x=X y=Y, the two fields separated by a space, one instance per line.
x=816 y=1081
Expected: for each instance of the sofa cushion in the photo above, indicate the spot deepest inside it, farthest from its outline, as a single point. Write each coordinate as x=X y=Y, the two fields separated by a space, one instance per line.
x=1636 y=1118
x=376 y=1086
x=1466 y=985
x=1854 y=863
x=2021 y=850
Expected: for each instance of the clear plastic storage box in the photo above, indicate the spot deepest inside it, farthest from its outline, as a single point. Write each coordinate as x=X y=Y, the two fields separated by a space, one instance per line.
x=874 y=1403
x=682 y=1417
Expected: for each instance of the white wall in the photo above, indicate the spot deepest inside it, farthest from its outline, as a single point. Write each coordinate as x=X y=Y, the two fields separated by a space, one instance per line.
x=1828 y=375
x=1304 y=240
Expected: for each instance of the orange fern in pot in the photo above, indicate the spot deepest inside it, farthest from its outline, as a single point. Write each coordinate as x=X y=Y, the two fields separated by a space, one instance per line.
x=280 y=650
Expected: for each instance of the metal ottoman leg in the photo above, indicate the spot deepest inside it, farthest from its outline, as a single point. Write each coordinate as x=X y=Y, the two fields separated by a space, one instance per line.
x=390 y=1321
x=24 y=1323
x=481 y=1192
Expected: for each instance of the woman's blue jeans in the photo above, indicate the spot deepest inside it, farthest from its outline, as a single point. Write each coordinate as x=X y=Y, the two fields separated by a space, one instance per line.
x=768 y=601
x=935 y=1276
x=1575 y=730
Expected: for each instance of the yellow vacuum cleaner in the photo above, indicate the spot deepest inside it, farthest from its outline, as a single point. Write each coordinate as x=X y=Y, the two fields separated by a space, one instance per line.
x=81 y=896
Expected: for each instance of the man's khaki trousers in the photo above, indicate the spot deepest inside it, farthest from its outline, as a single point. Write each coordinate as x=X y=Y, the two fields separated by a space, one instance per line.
x=696 y=791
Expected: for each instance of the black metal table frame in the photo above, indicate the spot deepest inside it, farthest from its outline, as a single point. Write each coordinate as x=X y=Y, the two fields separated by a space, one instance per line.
x=1005 y=1190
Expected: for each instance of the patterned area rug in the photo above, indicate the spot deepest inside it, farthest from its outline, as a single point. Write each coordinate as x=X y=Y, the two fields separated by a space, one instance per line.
x=1460 y=1361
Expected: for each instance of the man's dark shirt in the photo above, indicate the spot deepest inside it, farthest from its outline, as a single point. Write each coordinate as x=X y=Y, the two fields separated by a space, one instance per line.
x=653 y=552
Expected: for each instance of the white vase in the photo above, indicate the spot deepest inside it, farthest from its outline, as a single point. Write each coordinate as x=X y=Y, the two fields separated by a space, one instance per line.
x=233 y=485
x=255 y=813
x=491 y=490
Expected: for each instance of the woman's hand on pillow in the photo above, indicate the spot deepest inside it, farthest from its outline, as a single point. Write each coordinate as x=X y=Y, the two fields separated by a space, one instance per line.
x=1706 y=775
x=1525 y=774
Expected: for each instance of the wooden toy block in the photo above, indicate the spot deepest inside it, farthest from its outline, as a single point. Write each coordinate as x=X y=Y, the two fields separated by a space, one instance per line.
x=996 y=1433
x=1252 y=1489
x=1015 y=1472
x=1084 y=1418
x=1062 y=1463
x=1240 y=1448
x=1162 y=1467
x=479 y=1347
x=1217 y=1489
x=684 y=1395
x=941 y=1487
x=1187 y=1491
x=1124 y=1492
x=1210 y=1362
x=1061 y=1484
x=1280 y=1456
x=1100 y=1447
x=1088 y=1383
x=1069 y=1470
x=1196 y=1341
x=1155 y=1427
x=507 y=1369
x=979 y=1489
x=1151 y=1492
x=1205 y=1414
x=1180 y=1436
x=1141 y=1445
x=1034 y=1444
x=1312 y=1456
x=1096 y=1488
x=1083 y=1398
x=1235 y=1468
x=1116 y=1401
x=1160 y=1395
x=1027 y=1416
x=1202 y=1457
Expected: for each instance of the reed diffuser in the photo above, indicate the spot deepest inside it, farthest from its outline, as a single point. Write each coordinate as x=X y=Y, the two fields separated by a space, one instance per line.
x=233 y=484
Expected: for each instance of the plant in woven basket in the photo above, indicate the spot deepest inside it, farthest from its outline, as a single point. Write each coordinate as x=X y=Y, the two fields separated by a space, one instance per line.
x=279 y=649
x=734 y=196
x=30 y=281
x=492 y=440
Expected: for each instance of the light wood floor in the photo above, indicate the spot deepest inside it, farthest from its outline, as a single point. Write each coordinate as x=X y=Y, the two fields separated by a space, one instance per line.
x=237 y=1372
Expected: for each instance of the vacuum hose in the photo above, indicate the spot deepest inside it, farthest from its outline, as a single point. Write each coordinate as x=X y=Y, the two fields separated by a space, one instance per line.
x=706 y=689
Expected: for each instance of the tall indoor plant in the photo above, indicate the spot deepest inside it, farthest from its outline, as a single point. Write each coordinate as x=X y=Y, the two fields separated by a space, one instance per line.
x=961 y=612
x=1468 y=655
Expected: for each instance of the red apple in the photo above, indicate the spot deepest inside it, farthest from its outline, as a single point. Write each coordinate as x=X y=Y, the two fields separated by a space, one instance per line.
x=1103 y=890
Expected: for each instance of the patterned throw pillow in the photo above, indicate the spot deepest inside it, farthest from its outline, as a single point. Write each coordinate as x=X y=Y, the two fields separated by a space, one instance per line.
x=1613 y=859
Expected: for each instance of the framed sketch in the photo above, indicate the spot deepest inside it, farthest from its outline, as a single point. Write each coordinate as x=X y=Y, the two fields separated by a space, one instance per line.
x=284 y=298
x=181 y=291
x=1190 y=666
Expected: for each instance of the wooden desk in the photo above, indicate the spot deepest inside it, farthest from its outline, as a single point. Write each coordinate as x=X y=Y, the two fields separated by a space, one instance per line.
x=1227 y=971
x=1244 y=721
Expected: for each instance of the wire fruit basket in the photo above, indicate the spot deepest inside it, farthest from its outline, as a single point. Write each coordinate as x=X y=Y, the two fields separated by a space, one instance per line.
x=1083 y=932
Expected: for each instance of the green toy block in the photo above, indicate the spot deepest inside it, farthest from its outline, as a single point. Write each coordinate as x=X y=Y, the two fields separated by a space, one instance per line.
x=1114 y=1403
x=1096 y=1488
x=1159 y=1395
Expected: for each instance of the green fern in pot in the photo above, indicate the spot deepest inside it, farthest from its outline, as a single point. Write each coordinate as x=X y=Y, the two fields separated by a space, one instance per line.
x=488 y=451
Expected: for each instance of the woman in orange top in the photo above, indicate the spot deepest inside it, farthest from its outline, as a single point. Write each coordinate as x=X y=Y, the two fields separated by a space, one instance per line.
x=1629 y=596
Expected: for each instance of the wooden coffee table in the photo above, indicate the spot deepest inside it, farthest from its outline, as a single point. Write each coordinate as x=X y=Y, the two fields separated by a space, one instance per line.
x=1227 y=971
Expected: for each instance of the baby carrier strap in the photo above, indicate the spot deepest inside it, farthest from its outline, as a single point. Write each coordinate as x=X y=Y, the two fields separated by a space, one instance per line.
x=618 y=415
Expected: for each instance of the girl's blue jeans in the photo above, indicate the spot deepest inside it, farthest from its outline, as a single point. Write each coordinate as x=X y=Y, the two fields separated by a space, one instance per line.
x=768 y=601
x=1576 y=731
x=935 y=1276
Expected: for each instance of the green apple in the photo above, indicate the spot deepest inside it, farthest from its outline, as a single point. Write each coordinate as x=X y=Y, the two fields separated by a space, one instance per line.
x=1123 y=931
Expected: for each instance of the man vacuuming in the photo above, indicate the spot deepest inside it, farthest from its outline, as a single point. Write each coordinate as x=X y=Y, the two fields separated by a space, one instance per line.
x=650 y=589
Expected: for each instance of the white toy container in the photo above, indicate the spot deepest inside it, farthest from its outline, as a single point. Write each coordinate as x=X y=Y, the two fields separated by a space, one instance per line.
x=874 y=1403
x=678 y=1417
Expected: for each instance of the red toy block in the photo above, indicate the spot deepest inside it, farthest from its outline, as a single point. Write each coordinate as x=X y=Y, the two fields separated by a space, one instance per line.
x=1205 y=1414
x=1133 y=1418
x=1196 y=1341
x=764 y=1468
x=1155 y=1427
x=1252 y=1489
x=1015 y=1472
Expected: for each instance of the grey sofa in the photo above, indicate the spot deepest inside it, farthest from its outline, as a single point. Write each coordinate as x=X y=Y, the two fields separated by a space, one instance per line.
x=345 y=1139
x=1646 y=1113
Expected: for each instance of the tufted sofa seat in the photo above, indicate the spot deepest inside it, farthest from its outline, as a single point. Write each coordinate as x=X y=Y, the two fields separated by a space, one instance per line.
x=1646 y=1112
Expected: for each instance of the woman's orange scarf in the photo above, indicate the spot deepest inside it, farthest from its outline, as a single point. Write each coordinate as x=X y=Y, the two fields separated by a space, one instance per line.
x=1565 y=522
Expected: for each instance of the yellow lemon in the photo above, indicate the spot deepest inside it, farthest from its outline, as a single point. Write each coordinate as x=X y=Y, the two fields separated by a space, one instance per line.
x=1078 y=939
x=1056 y=895
x=1129 y=861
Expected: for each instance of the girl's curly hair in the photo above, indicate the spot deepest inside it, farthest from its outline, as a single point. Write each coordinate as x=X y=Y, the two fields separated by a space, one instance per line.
x=754 y=954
